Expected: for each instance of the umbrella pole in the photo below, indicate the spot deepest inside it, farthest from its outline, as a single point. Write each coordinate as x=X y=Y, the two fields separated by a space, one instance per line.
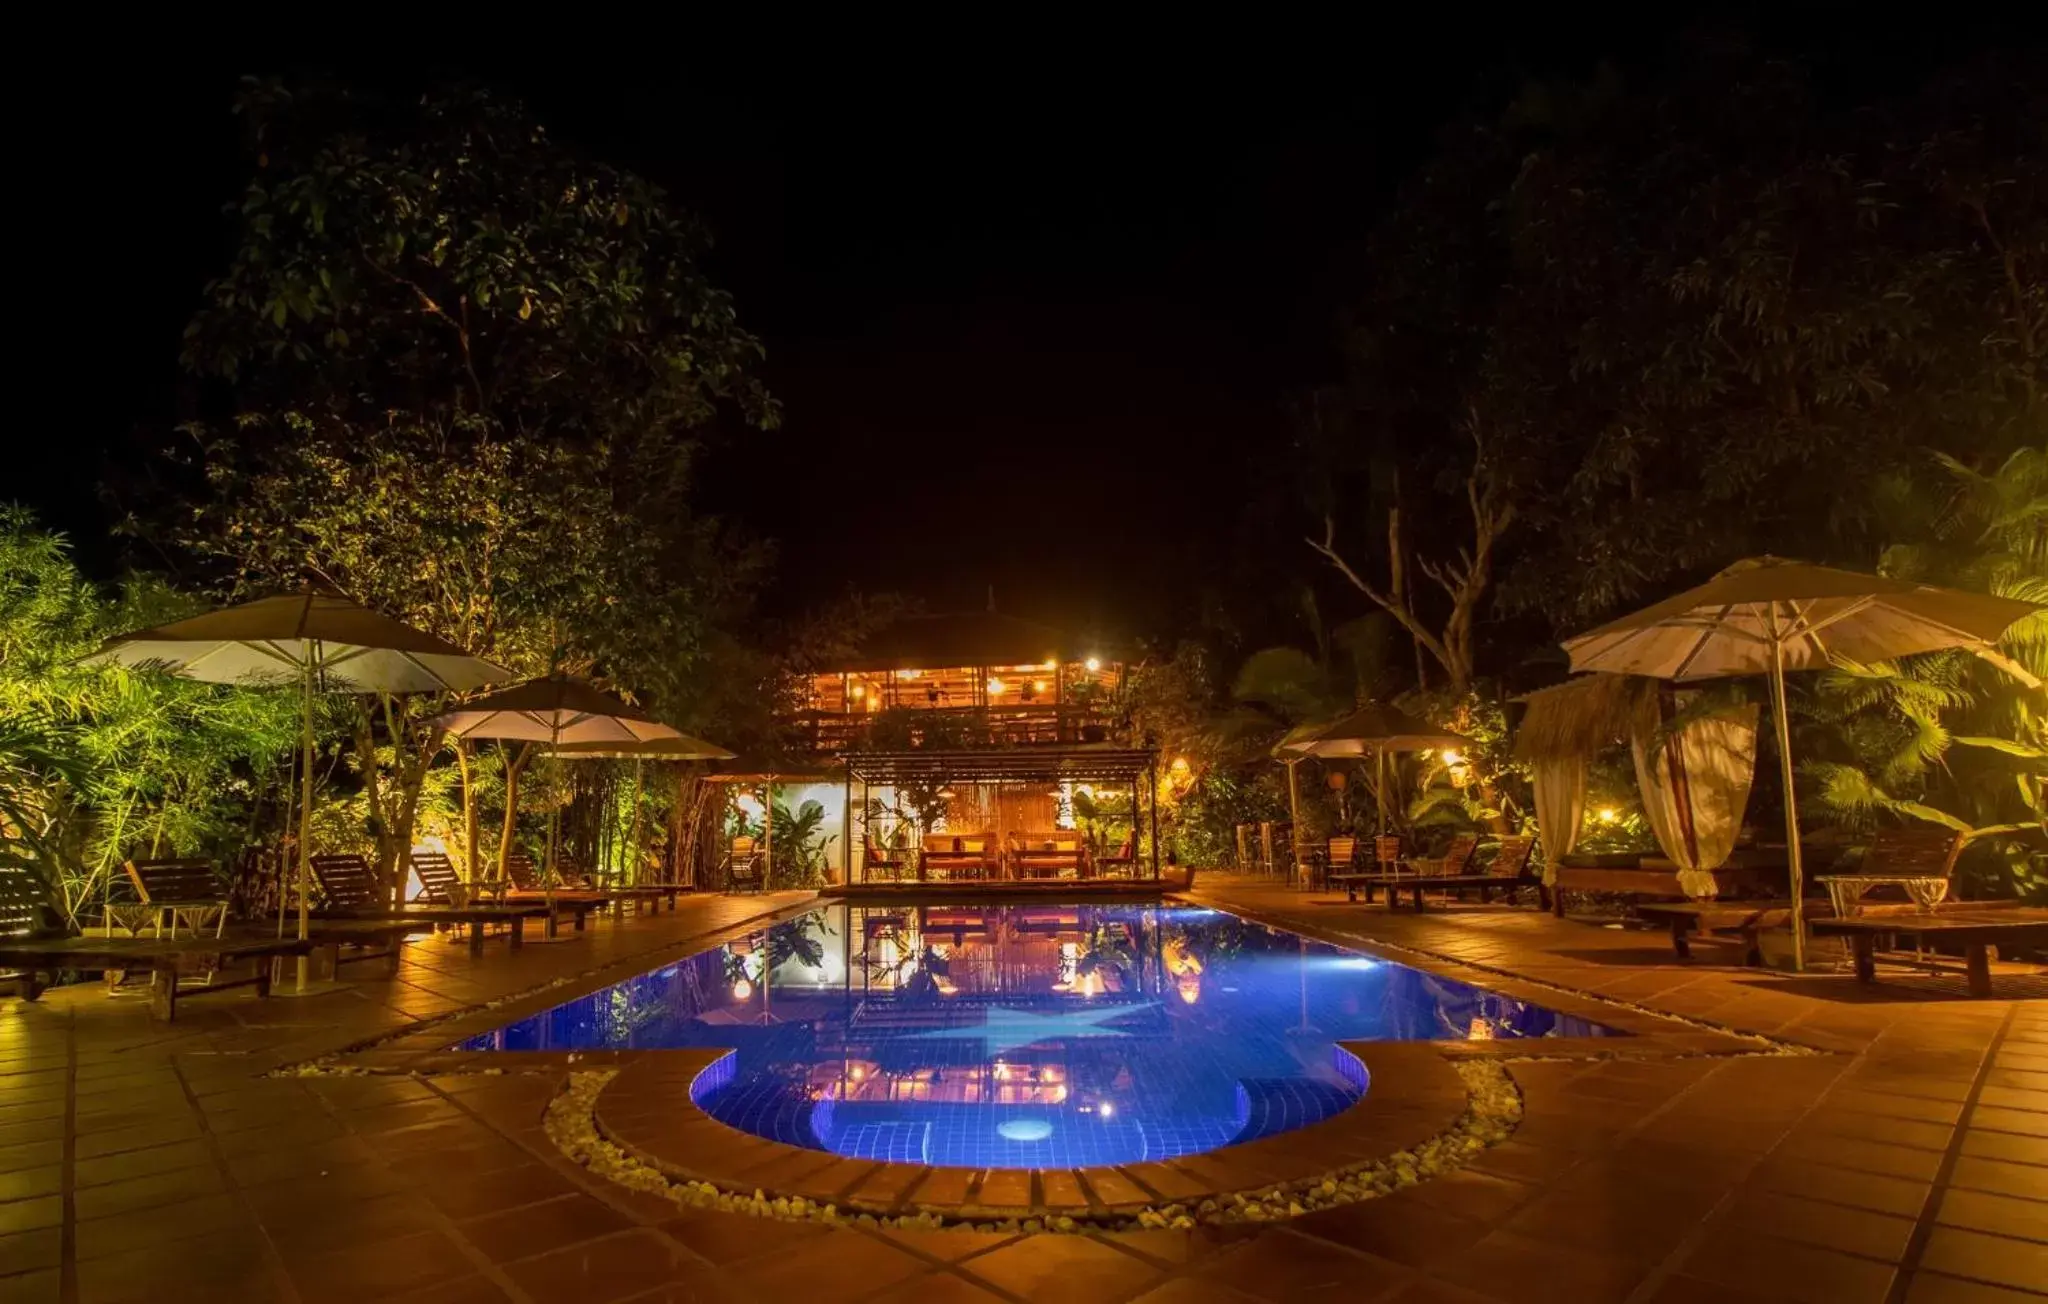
x=1784 y=727
x=305 y=808
x=1293 y=818
x=1379 y=784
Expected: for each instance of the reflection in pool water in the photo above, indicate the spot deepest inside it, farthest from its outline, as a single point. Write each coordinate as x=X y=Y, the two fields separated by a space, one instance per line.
x=1026 y=1036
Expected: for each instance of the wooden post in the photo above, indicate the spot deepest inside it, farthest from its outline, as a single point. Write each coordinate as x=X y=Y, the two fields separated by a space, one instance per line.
x=1152 y=780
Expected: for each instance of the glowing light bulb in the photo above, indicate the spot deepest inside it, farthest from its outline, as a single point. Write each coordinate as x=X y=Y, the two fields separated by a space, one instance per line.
x=1608 y=814
x=1180 y=765
x=1105 y=1109
x=1093 y=664
x=996 y=687
x=742 y=989
x=1453 y=758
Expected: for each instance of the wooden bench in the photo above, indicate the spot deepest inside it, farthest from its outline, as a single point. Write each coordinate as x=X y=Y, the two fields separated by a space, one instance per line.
x=1977 y=927
x=167 y=958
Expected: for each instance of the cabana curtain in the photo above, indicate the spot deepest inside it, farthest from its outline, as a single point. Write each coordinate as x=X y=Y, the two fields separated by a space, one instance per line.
x=1695 y=783
x=1560 y=783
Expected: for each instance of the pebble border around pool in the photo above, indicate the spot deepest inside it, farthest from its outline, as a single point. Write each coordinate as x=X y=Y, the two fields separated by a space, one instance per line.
x=1488 y=1108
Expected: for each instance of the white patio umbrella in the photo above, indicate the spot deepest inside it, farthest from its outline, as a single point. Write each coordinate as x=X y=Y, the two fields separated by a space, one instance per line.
x=561 y=712
x=1370 y=731
x=319 y=640
x=1768 y=615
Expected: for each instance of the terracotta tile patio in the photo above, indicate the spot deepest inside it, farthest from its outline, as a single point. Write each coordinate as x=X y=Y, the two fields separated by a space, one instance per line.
x=1907 y=1165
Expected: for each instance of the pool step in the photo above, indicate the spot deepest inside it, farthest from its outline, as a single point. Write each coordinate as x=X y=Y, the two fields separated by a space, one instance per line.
x=1270 y=1105
x=889 y=1143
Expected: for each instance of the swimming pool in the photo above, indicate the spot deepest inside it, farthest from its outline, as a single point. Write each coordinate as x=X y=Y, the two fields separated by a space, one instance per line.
x=1026 y=1036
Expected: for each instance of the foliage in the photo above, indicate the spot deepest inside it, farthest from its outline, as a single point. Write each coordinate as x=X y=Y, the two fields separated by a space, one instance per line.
x=101 y=763
x=1949 y=738
x=799 y=846
x=1621 y=335
x=468 y=370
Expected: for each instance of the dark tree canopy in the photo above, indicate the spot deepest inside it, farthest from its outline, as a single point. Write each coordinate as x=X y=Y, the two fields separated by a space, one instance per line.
x=445 y=258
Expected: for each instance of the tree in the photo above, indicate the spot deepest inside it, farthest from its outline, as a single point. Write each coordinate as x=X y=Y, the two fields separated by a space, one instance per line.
x=1619 y=336
x=99 y=763
x=468 y=370
x=1952 y=738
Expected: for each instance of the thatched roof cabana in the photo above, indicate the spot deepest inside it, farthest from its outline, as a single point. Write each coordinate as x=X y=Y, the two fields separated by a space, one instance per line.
x=1583 y=716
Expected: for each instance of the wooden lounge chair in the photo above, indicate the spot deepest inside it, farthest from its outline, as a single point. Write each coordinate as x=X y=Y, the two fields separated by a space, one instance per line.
x=439 y=879
x=1744 y=921
x=167 y=959
x=1919 y=861
x=644 y=896
x=1451 y=870
x=745 y=867
x=346 y=883
x=353 y=897
x=176 y=892
x=1977 y=927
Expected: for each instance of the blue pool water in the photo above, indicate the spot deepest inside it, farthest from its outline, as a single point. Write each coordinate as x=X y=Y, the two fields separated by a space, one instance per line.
x=1026 y=1036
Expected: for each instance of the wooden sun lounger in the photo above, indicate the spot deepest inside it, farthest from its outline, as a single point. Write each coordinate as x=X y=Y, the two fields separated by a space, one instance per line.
x=166 y=958
x=1977 y=927
x=577 y=902
x=354 y=896
x=1746 y=919
x=1509 y=872
x=519 y=867
x=361 y=939
x=172 y=892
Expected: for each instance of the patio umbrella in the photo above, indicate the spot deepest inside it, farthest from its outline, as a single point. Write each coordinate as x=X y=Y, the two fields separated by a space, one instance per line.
x=560 y=712
x=682 y=747
x=1768 y=615
x=317 y=639
x=1371 y=731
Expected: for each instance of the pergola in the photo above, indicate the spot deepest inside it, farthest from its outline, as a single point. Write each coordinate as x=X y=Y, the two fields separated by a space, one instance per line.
x=1103 y=763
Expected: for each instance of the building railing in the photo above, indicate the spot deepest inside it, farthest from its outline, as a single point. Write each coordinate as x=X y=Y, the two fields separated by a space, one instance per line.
x=993 y=726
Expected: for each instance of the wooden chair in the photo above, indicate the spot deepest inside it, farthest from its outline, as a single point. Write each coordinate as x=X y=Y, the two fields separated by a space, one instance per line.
x=1456 y=860
x=744 y=867
x=1338 y=859
x=1123 y=860
x=186 y=892
x=875 y=863
x=25 y=908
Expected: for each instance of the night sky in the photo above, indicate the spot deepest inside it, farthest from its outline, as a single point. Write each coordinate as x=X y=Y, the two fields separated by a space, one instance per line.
x=1033 y=326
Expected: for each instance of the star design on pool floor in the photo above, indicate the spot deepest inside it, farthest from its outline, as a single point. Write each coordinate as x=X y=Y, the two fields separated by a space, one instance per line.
x=1006 y=1029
